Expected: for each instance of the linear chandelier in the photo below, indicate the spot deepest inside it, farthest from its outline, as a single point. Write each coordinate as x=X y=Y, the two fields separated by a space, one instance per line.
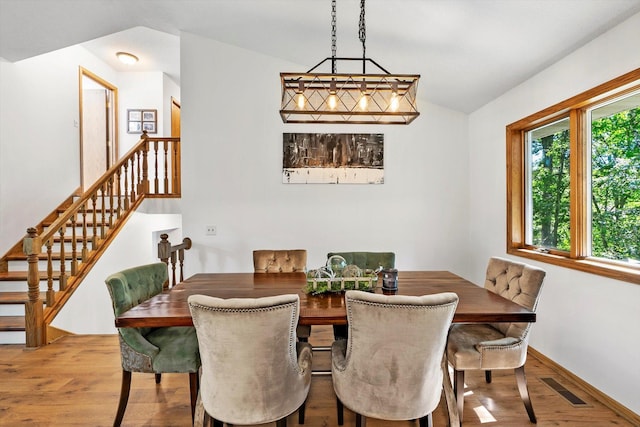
x=380 y=98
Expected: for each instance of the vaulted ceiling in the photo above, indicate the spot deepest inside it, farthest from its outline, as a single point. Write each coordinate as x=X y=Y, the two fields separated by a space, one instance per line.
x=468 y=52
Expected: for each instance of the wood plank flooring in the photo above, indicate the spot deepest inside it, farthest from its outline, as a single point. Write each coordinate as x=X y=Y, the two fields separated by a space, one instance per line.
x=76 y=382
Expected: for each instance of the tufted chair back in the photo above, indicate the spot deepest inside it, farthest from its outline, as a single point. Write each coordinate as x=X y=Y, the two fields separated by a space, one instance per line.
x=520 y=283
x=253 y=370
x=368 y=260
x=390 y=367
x=489 y=346
x=280 y=261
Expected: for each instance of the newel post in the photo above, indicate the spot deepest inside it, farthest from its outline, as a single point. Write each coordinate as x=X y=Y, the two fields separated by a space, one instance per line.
x=164 y=252
x=34 y=320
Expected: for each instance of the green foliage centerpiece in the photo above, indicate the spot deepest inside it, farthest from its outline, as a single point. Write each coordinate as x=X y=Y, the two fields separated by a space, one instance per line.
x=337 y=276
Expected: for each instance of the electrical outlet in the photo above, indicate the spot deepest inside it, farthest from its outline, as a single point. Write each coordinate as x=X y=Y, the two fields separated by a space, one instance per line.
x=211 y=230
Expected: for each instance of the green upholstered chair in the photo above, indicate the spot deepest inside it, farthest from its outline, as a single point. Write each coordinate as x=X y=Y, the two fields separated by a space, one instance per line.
x=152 y=350
x=490 y=346
x=368 y=260
x=391 y=366
x=253 y=369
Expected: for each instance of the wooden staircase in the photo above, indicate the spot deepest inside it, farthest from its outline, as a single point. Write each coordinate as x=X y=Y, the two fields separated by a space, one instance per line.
x=40 y=273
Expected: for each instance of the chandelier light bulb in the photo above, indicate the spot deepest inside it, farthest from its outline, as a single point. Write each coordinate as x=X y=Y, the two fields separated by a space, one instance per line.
x=300 y=101
x=394 y=104
x=332 y=100
x=364 y=102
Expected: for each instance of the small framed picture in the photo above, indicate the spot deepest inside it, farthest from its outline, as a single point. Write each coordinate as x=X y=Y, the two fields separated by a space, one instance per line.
x=134 y=127
x=139 y=120
x=150 y=127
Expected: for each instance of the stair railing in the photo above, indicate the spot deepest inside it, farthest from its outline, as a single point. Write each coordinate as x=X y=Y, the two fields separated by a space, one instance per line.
x=150 y=169
x=173 y=256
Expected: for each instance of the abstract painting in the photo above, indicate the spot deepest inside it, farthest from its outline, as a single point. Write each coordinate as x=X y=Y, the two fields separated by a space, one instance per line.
x=333 y=158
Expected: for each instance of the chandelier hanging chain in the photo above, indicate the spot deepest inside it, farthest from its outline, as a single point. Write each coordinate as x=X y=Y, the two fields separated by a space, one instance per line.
x=333 y=37
x=362 y=35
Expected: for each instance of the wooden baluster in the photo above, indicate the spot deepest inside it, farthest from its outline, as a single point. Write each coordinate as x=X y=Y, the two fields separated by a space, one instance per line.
x=103 y=212
x=175 y=168
x=166 y=166
x=110 y=202
x=94 y=226
x=85 y=249
x=119 y=193
x=132 y=193
x=74 y=252
x=156 y=181
x=173 y=268
x=34 y=319
x=164 y=251
x=51 y=293
x=63 y=269
x=181 y=260
x=126 y=187
x=144 y=188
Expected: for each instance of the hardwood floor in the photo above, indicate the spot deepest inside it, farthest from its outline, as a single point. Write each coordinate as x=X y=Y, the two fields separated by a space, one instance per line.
x=76 y=382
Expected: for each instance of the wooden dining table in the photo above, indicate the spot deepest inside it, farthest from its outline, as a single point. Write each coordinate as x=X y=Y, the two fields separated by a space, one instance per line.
x=170 y=308
x=475 y=305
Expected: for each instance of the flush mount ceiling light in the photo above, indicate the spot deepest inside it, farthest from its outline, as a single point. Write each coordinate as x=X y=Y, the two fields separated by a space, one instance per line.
x=381 y=98
x=127 y=58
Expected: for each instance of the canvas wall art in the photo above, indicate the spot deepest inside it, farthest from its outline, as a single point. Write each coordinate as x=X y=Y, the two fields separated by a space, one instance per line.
x=333 y=158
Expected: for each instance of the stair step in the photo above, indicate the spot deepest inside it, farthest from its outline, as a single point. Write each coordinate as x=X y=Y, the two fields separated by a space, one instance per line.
x=12 y=323
x=13 y=297
x=22 y=275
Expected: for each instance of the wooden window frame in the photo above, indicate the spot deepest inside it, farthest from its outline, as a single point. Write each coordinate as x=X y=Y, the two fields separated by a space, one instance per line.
x=575 y=109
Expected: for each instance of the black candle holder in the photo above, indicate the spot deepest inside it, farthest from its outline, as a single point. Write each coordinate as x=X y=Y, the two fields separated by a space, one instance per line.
x=389 y=279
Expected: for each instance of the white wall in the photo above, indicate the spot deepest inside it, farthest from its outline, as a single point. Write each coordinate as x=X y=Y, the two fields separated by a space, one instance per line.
x=586 y=323
x=232 y=165
x=38 y=138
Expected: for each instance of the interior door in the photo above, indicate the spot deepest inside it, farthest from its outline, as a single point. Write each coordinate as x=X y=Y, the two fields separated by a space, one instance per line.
x=175 y=118
x=95 y=141
x=98 y=148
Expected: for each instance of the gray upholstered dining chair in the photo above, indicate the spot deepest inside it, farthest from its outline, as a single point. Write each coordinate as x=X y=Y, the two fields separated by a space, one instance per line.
x=253 y=369
x=391 y=365
x=280 y=261
x=283 y=261
x=151 y=350
x=493 y=346
x=364 y=260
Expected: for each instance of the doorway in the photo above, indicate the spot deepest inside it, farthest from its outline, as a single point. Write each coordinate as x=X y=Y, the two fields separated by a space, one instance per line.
x=98 y=127
x=175 y=117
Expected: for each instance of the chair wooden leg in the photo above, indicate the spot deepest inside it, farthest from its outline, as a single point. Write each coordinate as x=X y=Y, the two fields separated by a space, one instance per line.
x=458 y=389
x=193 y=390
x=340 y=412
x=158 y=378
x=524 y=393
x=361 y=420
x=487 y=376
x=426 y=421
x=301 y=411
x=124 y=397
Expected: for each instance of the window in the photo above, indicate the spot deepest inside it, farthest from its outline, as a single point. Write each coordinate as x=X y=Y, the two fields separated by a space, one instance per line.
x=573 y=182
